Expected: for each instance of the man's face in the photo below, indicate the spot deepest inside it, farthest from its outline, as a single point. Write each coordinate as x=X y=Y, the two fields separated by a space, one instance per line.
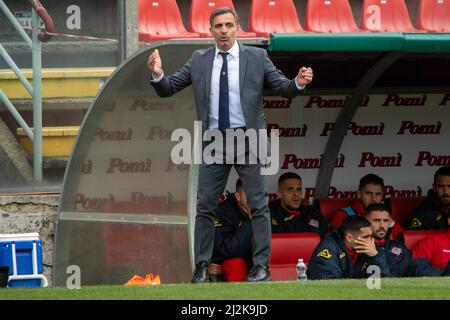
x=442 y=189
x=224 y=29
x=365 y=233
x=380 y=221
x=290 y=193
x=370 y=194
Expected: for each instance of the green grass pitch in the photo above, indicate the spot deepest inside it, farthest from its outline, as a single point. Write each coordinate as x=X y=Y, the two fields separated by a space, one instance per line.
x=391 y=289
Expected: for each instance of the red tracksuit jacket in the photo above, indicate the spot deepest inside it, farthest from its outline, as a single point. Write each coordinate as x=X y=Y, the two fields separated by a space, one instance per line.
x=435 y=248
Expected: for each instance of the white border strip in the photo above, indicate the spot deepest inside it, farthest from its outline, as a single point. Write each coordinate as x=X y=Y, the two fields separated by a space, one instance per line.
x=124 y=217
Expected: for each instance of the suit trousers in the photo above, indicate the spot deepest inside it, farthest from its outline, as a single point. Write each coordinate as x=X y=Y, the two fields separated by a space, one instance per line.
x=211 y=185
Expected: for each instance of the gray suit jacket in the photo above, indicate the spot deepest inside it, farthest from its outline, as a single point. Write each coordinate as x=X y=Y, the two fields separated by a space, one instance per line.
x=256 y=71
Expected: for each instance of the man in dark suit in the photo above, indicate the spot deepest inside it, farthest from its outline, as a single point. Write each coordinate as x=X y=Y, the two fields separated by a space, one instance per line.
x=228 y=81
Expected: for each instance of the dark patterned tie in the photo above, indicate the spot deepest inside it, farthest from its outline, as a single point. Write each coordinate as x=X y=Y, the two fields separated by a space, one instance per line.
x=224 y=105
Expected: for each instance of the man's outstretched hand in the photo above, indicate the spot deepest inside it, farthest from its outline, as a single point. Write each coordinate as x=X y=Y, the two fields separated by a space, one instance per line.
x=154 y=63
x=305 y=76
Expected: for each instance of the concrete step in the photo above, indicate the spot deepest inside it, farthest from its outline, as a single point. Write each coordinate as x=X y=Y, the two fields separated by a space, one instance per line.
x=62 y=53
x=56 y=141
x=57 y=82
x=14 y=169
x=56 y=112
x=67 y=94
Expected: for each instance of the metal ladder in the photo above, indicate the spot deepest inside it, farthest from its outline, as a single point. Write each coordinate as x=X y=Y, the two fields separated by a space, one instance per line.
x=35 y=136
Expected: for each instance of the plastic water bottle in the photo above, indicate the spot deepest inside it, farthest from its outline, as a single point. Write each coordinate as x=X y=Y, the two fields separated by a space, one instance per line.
x=301 y=270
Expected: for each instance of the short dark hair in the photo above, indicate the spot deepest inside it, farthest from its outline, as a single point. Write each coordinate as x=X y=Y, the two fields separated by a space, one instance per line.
x=238 y=184
x=288 y=175
x=442 y=171
x=353 y=224
x=220 y=11
x=377 y=207
x=370 y=179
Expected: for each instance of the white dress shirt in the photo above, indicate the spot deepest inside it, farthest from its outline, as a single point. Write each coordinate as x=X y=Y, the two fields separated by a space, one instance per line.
x=236 y=115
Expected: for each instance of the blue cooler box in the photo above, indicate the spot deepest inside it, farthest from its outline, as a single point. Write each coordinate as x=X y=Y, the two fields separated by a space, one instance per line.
x=21 y=271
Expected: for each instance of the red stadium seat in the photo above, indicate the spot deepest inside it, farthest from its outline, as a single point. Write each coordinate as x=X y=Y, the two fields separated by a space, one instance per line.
x=161 y=20
x=286 y=249
x=402 y=207
x=434 y=15
x=199 y=17
x=386 y=16
x=330 y=16
x=273 y=16
x=329 y=206
x=412 y=237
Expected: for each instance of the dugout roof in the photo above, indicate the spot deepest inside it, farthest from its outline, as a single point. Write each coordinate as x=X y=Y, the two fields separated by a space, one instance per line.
x=125 y=209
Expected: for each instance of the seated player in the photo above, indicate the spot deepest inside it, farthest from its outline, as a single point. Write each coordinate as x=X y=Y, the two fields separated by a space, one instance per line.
x=432 y=213
x=436 y=251
x=370 y=191
x=347 y=253
x=232 y=253
x=288 y=214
